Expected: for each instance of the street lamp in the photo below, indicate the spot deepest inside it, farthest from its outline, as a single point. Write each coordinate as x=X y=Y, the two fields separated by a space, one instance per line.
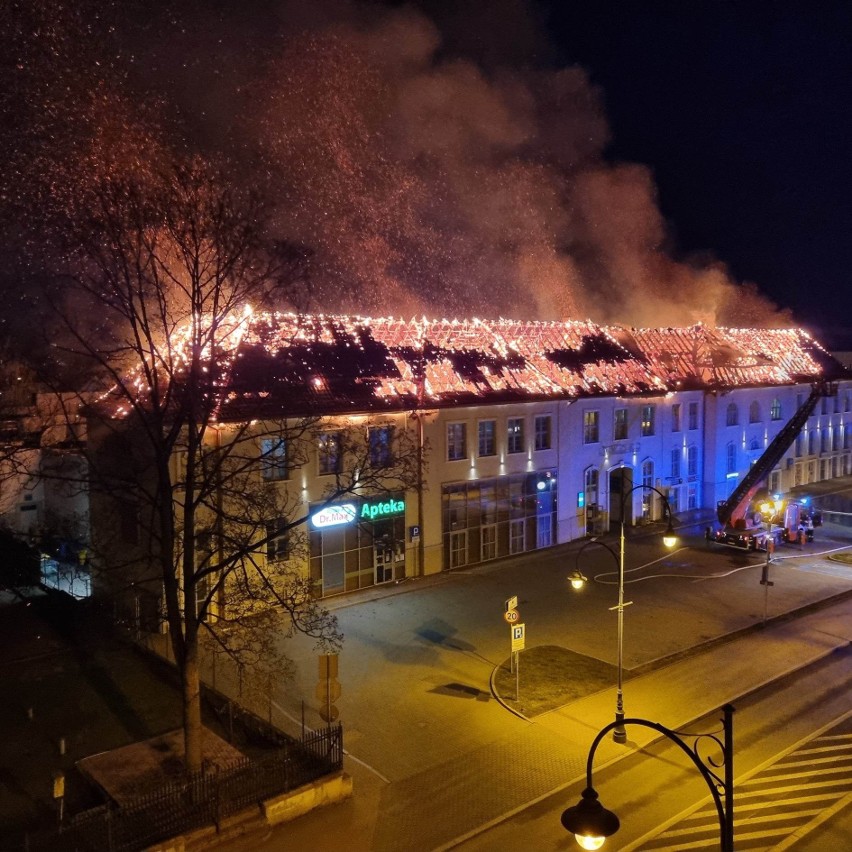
x=669 y=540
x=591 y=823
x=577 y=580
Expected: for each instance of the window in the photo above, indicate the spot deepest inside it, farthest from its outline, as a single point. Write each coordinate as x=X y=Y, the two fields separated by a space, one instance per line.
x=836 y=403
x=835 y=438
x=273 y=458
x=847 y=436
x=543 y=432
x=775 y=409
x=647 y=428
x=693 y=415
x=676 y=463
x=487 y=437
x=812 y=433
x=692 y=498
x=328 y=453
x=824 y=405
x=800 y=441
x=515 y=435
x=647 y=494
x=754 y=412
x=456 y=441
x=676 y=417
x=848 y=401
x=823 y=441
x=381 y=446
x=731 y=458
x=277 y=540
x=619 y=425
x=591 y=433
x=732 y=415
x=692 y=461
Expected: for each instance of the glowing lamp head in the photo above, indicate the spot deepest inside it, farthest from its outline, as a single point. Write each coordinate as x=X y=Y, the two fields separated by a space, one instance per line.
x=670 y=538
x=577 y=580
x=589 y=821
x=587 y=842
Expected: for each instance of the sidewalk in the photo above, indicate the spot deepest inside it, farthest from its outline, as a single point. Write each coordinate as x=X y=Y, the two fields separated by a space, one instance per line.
x=441 y=807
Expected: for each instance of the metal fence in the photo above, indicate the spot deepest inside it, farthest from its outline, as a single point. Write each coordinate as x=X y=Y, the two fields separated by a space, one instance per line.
x=202 y=799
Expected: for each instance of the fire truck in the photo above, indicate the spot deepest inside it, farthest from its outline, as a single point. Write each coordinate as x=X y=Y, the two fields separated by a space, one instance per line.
x=751 y=519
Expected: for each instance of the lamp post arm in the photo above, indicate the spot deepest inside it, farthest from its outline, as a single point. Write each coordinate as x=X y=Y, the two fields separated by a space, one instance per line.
x=724 y=808
x=667 y=509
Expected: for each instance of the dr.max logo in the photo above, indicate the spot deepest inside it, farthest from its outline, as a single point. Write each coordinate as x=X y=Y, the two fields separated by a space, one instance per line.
x=331 y=516
x=378 y=510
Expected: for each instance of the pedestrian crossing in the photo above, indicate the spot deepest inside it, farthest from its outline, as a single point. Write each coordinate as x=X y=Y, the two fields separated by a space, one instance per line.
x=783 y=798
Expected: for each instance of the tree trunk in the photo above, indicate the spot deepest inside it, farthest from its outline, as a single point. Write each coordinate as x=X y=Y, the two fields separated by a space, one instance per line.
x=192 y=705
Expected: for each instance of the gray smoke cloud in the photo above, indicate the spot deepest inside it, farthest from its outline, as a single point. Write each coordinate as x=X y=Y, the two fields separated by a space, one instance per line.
x=420 y=175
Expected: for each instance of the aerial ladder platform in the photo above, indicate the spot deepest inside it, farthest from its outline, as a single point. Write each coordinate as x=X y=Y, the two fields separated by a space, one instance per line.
x=732 y=513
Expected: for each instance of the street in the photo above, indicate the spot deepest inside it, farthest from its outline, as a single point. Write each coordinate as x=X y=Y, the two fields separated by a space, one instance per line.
x=436 y=757
x=658 y=786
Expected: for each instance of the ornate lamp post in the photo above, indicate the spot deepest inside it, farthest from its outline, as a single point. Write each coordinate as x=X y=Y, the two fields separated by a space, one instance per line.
x=577 y=579
x=591 y=823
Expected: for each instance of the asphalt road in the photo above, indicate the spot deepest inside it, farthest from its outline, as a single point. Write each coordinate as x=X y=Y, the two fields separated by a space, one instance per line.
x=659 y=786
x=418 y=657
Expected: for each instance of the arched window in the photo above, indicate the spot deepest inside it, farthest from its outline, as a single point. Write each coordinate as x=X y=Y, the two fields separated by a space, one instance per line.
x=692 y=461
x=775 y=409
x=754 y=412
x=733 y=416
x=731 y=458
x=647 y=494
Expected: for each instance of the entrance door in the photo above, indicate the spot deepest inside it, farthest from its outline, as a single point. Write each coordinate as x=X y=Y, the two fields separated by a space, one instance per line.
x=620 y=483
x=383 y=560
x=458 y=548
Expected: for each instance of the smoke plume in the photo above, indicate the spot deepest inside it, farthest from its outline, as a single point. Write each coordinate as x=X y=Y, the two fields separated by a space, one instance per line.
x=418 y=177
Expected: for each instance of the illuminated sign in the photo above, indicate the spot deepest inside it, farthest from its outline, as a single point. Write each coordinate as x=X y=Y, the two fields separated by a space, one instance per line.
x=332 y=516
x=383 y=509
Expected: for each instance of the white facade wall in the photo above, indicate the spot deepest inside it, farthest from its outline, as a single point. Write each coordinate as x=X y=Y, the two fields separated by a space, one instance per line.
x=682 y=450
x=742 y=422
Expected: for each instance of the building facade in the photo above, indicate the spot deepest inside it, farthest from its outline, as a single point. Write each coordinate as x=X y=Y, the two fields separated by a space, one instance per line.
x=518 y=436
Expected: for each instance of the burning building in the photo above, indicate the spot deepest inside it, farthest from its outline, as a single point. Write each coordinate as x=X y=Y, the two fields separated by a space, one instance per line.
x=528 y=433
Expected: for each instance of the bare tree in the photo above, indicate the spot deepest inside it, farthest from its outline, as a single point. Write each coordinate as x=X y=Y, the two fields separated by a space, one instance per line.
x=165 y=269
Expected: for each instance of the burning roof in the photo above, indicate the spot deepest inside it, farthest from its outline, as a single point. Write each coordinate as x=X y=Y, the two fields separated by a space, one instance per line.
x=297 y=364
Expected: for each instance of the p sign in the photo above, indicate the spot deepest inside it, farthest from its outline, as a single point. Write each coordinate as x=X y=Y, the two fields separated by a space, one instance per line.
x=518 y=636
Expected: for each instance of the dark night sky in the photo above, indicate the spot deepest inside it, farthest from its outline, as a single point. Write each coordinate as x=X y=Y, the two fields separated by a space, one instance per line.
x=743 y=112
x=496 y=174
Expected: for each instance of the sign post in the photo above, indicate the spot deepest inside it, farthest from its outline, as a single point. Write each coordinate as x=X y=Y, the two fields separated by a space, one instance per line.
x=518 y=636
